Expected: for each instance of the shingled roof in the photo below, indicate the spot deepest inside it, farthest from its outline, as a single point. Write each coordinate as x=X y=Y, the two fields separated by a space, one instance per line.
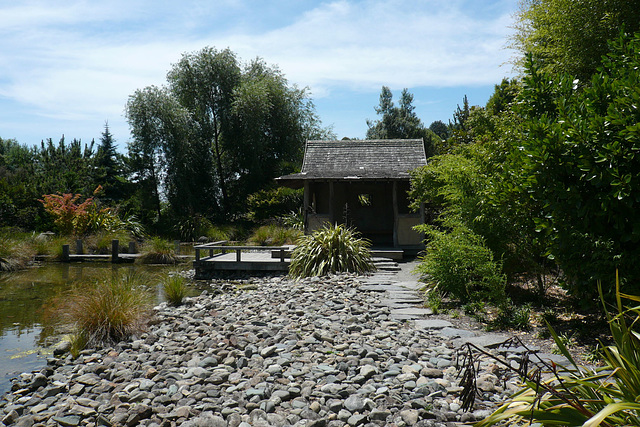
x=360 y=159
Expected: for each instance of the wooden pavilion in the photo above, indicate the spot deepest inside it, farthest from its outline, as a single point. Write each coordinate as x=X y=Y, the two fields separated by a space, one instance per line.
x=363 y=184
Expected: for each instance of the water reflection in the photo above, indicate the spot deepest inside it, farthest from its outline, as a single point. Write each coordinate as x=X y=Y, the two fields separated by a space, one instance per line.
x=24 y=299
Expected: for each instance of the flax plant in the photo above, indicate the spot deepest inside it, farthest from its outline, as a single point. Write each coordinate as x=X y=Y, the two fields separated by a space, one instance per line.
x=331 y=249
x=585 y=396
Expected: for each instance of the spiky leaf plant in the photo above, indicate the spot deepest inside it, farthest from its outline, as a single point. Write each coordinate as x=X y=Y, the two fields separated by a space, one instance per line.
x=584 y=396
x=331 y=249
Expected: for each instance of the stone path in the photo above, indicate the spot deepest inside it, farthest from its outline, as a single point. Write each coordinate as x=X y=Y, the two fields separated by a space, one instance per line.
x=400 y=286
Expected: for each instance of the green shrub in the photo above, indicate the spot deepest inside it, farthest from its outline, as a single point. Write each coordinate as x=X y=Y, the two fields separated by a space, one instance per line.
x=191 y=228
x=582 y=395
x=107 y=311
x=175 y=289
x=459 y=265
x=158 y=251
x=434 y=300
x=216 y=233
x=331 y=249
x=100 y=242
x=274 y=203
x=274 y=235
x=511 y=316
x=293 y=219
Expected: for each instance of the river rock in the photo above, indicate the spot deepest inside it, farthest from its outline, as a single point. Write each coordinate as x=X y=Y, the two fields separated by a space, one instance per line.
x=319 y=351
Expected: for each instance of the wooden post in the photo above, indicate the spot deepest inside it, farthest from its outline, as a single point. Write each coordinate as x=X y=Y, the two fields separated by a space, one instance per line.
x=396 y=217
x=65 y=253
x=281 y=254
x=132 y=247
x=79 y=249
x=332 y=216
x=197 y=254
x=306 y=208
x=238 y=251
x=115 y=248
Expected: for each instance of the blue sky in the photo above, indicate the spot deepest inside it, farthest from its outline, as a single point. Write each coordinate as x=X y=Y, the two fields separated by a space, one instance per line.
x=68 y=66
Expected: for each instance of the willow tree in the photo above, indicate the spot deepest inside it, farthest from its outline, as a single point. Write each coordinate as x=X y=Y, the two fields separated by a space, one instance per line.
x=220 y=130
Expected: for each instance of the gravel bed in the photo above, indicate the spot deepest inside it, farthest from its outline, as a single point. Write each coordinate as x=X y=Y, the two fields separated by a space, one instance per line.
x=263 y=352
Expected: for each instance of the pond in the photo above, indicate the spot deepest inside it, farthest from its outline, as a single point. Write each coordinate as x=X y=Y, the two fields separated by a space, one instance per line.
x=24 y=298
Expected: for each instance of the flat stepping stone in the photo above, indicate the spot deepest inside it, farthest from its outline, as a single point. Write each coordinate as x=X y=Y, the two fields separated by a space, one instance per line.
x=433 y=324
x=555 y=358
x=413 y=285
x=517 y=349
x=449 y=332
x=399 y=295
x=395 y=305
x=410 y=313
x=486 y=340
x=377 y=280
x=380 y=288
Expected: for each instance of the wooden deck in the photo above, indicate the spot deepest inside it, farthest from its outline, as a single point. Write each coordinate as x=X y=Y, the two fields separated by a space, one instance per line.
x=240 y=259
x=224 y=258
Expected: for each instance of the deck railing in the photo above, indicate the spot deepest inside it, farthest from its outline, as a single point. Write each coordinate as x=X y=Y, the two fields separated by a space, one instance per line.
x=224 y=248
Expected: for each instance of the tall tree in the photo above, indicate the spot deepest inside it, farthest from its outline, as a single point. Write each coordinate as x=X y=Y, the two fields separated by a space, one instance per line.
x=152 y=116
x=203 y=83
x=220 y=130
x=399 y=122
x=439 y=128
x=109 y=167
x=570 y=36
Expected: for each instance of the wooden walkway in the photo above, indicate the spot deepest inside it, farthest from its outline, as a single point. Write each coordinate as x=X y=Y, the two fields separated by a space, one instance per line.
x=240 y=258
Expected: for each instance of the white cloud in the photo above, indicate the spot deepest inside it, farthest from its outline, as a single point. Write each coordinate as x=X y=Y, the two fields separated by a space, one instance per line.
x=77 y=60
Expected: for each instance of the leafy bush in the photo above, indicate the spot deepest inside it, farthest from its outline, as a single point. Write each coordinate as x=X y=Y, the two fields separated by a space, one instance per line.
x=100 y=243
x=191 y=228
x=582 y=395
x=158 y=251
x=274 y=235
x=216 y=233
x=108 y=311
x=274 y=203
x=70 y=217
x=434 y=300
x=580 y=158
x=459 y=265
x=175 y=289
x=511 y=316
x=293 y=219
x=331 y=249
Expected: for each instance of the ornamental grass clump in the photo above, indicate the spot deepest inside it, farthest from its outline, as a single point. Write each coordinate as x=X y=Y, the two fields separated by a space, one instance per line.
x=581 y=395
x=274 y=235
x=14 y=254
x=175 y=289
x=331 y=249
x=107 y=311
x=158 y=251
